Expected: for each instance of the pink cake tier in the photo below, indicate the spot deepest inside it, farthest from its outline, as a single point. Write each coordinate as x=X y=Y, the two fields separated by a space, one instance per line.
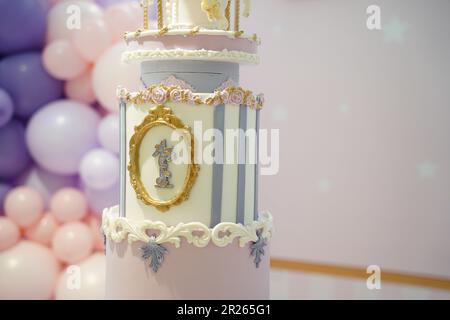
x=216 y=46
x=198 y=263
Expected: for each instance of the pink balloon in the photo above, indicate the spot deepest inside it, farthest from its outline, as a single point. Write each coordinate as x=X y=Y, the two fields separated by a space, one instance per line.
x=9 y=233
x=62 y=60
x=44 y=230
x=95 y=224
x=92 y=39
x=99 y=169
x=69 y=205
x=24 y=206
x=73 y=242
x=67 y=17
x=92 y=286
x=28 y=271
x=80 y=88
x=109 y=72
x=45 y=182
x=123 y=17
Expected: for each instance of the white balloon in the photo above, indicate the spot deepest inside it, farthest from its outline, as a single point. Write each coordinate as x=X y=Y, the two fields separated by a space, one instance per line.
x=99 y=169
x=67 y=17
x=110 y=72
x=85 y=281
x=108 y=132
x=60 y=134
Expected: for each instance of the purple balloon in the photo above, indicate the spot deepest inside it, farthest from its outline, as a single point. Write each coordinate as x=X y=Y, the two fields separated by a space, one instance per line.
x=29 y=85
x=101 y=199
x=14 y=157
x=22 y=25
x=60 y=134
x=4 y=189
x=6 y=107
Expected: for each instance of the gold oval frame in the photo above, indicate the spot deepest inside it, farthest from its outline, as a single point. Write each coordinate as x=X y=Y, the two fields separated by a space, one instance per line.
x=160 y=116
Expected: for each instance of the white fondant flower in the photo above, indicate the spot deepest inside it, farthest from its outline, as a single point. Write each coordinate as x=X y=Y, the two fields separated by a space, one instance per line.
x=225 y=96
x=251 y=101
x=121 y=92
x=237 y=97
x=146 y=95
x=192 y=98
x=176 y=95
x=159 y=95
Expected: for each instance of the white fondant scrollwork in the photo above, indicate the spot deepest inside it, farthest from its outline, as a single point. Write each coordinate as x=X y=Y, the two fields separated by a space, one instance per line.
x=211 y=55
x=245 y=234
x=197 y=234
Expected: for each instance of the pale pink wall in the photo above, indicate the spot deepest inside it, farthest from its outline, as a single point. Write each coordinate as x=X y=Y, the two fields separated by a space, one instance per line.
x=298 y=285
x=365 y=131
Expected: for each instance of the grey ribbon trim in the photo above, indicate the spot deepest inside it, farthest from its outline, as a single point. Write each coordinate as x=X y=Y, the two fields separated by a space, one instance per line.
x=123 y=157
x=240 y=205
x=217 y=178
x=256 y=205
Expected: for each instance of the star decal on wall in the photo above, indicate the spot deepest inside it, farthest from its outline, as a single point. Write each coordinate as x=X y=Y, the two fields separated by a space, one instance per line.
x=426 y=170
x=394 y=31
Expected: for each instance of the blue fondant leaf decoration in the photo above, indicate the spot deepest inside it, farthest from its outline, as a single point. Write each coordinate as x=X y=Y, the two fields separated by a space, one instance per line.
x=155 y=252
x=257 y=248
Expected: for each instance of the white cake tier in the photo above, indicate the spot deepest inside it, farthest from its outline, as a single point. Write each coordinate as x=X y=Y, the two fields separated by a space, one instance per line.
x=204 y=189
x=151 y=260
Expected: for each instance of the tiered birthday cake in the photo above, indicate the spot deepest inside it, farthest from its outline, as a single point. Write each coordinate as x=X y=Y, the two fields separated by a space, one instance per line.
x=188 y=224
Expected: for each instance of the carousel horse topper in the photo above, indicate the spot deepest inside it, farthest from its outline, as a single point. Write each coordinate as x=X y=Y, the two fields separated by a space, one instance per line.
x=215 y=10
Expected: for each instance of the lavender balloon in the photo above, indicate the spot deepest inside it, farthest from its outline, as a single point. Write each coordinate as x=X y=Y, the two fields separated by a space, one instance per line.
x=22 y=24
x=60 y=134
x=109 y=132
x=99 y=169
x=4 y=189
x=6 y=107
x=14 y=157
x=101 y=199
x=107 y=3
x=27 y=82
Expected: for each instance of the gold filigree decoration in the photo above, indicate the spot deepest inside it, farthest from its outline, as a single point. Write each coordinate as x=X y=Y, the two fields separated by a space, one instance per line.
x=160 y=15
x=163 y=31
x=119 y=229
x=144 y=5
x=159 y=94
x=194 y=31
x=237 y=13
x=160 y=116
x=228 y=14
